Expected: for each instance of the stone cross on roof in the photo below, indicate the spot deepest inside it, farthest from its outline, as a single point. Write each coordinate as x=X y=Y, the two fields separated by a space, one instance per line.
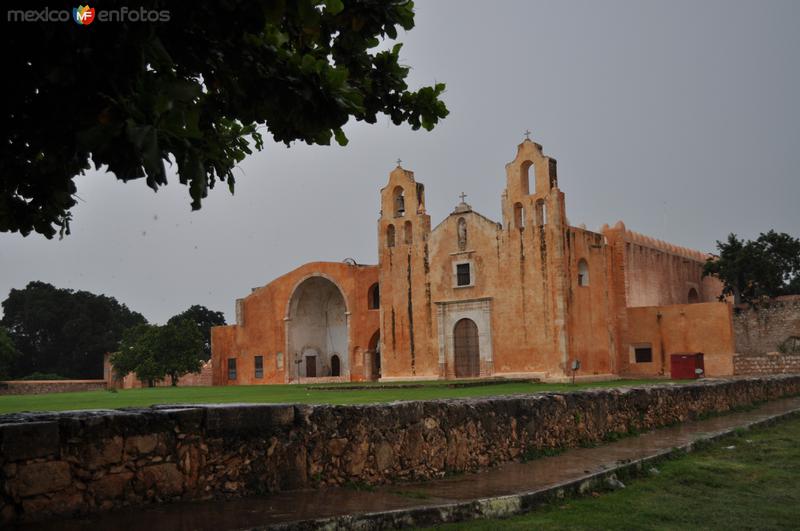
x=527 y=134
x=399 y=161
x=462 y=196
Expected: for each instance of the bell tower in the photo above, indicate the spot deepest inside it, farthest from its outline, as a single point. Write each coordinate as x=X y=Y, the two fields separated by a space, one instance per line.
x=403 y=231
x=534 y=222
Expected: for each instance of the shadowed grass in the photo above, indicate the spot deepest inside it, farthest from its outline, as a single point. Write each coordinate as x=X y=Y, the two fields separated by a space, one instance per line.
x=281 y=394
x=754 y=485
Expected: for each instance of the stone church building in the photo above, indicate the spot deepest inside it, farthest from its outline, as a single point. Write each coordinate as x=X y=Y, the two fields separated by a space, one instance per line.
x=476 y=298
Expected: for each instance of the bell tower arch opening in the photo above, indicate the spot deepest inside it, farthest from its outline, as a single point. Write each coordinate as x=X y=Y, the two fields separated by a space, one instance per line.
x=317 y=330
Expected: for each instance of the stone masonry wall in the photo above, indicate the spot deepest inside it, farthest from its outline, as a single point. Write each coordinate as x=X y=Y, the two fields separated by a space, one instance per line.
x=62 y=464
x=759 y=333
x=38 y=387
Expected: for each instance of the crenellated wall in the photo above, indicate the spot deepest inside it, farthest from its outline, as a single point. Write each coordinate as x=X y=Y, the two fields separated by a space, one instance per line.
x=63 y=464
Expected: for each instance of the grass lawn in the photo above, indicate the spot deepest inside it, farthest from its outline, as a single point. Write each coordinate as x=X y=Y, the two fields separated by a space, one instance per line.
x=280 y=393
x=755 y=485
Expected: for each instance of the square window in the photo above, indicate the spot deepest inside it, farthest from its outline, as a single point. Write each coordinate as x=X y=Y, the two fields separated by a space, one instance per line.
x=231 y=368
x=643 y=354
x=259 y=363
x=463 y=275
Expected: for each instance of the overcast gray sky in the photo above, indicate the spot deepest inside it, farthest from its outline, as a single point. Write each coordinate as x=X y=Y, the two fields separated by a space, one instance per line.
x=680 y=118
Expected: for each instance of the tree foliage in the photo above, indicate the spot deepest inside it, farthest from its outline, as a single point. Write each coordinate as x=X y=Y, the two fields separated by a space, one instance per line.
x=8 y=354
x=194 y=92
x=204 y=319
x=64 y=331
x=154 y=352
x=753 y=270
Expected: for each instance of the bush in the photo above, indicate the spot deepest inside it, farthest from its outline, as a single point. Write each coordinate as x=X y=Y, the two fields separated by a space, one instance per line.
x=43 y=376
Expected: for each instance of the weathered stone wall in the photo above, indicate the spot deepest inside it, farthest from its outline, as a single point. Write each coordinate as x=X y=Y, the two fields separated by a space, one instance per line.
x=770 y=363
x=763 y=328
x=38 y=387
x=73 y=462
x=761 y=331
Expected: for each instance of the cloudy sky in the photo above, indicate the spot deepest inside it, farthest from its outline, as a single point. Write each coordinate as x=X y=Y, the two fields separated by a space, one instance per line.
x=680 y=118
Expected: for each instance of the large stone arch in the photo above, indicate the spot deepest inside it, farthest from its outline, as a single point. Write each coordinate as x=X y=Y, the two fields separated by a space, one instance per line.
x=317 y=329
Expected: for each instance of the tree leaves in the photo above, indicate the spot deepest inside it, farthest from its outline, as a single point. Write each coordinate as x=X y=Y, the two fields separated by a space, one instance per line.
x=64 y=331
x=154 y=353
x=754 y=270
x=131 y=96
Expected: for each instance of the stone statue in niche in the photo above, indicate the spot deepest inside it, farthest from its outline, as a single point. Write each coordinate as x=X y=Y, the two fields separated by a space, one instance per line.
x=462 y=234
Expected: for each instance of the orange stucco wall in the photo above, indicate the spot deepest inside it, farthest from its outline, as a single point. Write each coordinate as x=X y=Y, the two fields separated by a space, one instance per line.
x=705 y=327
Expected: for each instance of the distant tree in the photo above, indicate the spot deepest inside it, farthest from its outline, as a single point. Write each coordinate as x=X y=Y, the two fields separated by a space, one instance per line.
x=195 y=91
x=204 y=319
x=753 y=270
x=64 y=331
x=8 y=354
x=154 y=353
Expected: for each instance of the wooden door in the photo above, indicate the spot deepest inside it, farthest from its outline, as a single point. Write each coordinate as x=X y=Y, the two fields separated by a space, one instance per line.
x=467 y=351
x=311 y=366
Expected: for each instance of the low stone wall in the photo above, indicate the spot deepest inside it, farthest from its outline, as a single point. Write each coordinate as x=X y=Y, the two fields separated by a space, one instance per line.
x=60 y=464
x=38 y=387
x=769 y=363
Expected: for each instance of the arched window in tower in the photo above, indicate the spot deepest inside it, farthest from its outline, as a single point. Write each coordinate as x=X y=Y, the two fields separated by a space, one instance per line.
x=390 y=236
x=399 y=201
x=525 y=172
x=541 y=212
x=519 y=216
x=462 y=234
x=408 y=233
x=374 y=297
x=583 y=273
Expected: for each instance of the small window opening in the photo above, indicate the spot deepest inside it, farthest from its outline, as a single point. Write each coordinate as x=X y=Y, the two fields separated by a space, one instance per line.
x=231 y=368
x=643 y=354
x=408 y=233
x=583 y=273
x=463 y=275
x=519 y=216
x=259 y=365
x=374 y=297
x=541 y=212
x=390 y=236
x=525 y=172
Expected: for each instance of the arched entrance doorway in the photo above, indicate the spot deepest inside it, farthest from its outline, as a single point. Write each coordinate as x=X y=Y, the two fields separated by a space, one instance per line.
x=467 y=351
x=693 y=296
x=317 y=330
x=374 y=353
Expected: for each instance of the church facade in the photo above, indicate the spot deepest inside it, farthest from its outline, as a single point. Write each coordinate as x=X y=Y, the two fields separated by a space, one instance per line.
x=530 y=296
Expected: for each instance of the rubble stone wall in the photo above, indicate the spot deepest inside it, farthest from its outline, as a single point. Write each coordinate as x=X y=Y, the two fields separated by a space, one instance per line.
x=762 y=332
x=62 y=464
x=38 y=387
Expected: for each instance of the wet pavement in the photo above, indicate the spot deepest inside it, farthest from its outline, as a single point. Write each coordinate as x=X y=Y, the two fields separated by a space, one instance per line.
x=508 y=483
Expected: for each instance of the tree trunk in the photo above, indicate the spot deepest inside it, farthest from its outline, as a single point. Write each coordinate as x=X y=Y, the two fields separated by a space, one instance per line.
x=174 y=378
